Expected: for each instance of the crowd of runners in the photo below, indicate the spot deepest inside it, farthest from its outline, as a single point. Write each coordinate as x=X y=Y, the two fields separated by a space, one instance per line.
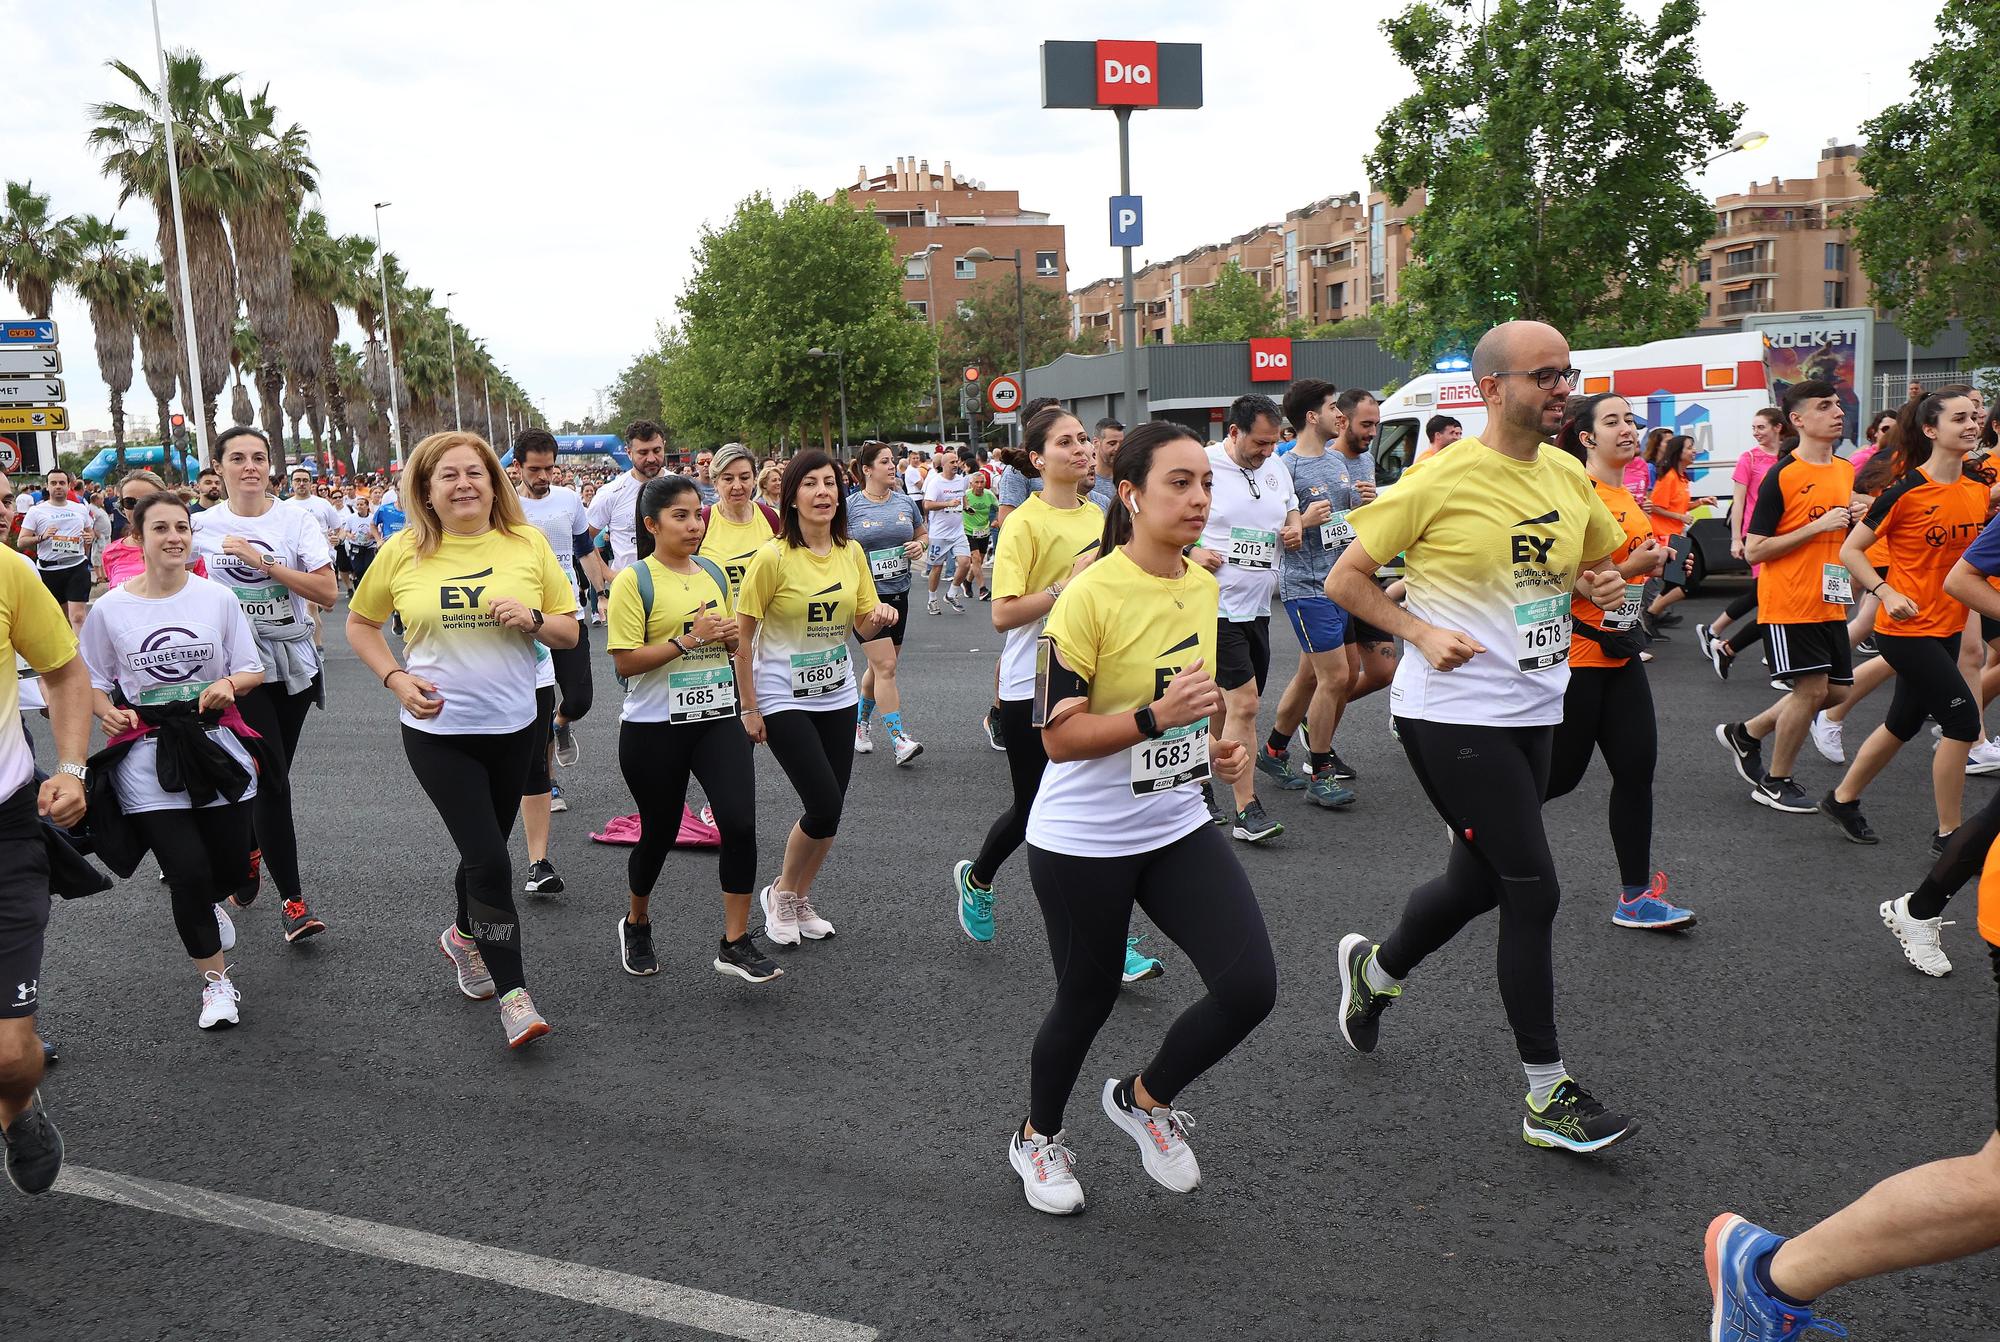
x=1507 y=591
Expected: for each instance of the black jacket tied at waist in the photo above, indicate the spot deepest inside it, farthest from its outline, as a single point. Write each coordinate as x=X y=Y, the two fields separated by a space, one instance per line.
x=187 y=759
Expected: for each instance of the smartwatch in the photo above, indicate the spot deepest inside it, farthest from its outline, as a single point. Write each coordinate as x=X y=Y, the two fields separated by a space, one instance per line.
x=538 y=618
x=1148 y=728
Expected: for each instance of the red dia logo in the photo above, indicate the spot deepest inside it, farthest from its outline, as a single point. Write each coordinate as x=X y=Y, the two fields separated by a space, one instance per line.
x=1271 y=360
x=1128 y=74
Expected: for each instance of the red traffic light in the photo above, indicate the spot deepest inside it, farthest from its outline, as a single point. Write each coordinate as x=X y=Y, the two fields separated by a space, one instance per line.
x=178 y=421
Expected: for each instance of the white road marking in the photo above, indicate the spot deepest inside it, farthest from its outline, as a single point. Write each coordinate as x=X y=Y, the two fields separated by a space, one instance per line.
x=721 y=1314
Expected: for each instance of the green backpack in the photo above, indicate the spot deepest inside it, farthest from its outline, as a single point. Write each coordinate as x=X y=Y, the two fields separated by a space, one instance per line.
x=642 y=574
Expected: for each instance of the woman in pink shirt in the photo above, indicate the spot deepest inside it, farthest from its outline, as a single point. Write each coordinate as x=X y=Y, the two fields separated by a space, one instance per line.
x=1767 y=428
x=122 y=560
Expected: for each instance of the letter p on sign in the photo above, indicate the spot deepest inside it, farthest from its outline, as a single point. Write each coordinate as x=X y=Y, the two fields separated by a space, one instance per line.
x=1128 y=74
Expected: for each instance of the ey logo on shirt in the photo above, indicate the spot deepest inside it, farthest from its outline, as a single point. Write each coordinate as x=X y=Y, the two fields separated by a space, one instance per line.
x=1535 y=549
x=1163 y=676
x=454 y=595
x=822 y=612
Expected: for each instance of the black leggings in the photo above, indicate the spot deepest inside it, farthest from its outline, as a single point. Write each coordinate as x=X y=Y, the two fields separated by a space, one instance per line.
x=1928 y=685
x=1964 y=855
x=1610 y=708
x=1742 y=635
x=815 y=748
x=1026 y=761
x=1487 y=783
x=538 y=783
x=656 y=758
x=203 y=852
x=1195 y=891
x=279 y=718
x=573 y=676
x=476 y=784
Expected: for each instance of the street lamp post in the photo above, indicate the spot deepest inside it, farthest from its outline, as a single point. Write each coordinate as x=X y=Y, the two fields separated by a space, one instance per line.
x=195 y=401
x=486 y=390
x=1749 y=139
x=839 y=358
x=978 y=254
x=930 y=311
x=388 y=334
x=451 y=345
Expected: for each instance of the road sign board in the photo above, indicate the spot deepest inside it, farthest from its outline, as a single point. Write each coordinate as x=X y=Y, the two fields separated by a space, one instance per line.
x=30 y=363
x=1007 y=417
x=1128 y=221
x=10 y=456
x=19 y=331
x=1003 y=393
x=33 y=417
x=30 y=390
x=971 y=373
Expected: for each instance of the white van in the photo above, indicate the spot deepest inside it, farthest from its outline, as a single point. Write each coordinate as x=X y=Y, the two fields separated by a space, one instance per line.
x=1708 y=387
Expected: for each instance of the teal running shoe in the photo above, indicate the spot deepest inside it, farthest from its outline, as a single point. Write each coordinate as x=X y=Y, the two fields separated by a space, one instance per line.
x=1278 y=768
x=1139 y=968
x=975 y=906
x=1327 y=791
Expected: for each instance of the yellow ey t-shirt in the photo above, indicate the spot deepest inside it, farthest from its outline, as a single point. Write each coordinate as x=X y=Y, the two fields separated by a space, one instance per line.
x=692 y=688
x=732 y=545
x=1039 y=546
x=33 y=627
x=806 y=605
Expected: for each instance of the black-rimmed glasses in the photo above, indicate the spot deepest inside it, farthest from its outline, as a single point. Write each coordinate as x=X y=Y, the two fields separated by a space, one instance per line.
x=1545 y=378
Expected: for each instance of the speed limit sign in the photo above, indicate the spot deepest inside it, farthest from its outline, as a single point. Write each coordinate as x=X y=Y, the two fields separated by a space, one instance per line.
x=10 y=456
x=1003 y=394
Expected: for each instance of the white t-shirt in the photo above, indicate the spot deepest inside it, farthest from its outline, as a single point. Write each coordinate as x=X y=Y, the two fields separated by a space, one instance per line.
x=560 y=516
x=320 y=510
x=163 y=651
x=913 y=481
x=1243 y=523
x=946 y=524
x=612 y=512
x=71 y=529
x=288 y=533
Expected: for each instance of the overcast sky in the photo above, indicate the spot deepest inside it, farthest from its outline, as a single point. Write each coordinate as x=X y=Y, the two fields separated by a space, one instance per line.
x=553 y=164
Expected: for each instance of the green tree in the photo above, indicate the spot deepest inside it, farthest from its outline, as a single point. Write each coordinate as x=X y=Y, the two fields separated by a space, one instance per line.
x=986 y=329
x=1929 y=238
x=1236 y=307
x=1553 y=143
x=636 y=393
x=1367 y=326
x=112 y=281
x=773 y=283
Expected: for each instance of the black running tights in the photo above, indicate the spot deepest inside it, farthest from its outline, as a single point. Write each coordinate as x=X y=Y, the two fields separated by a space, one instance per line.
x=1026 y=761
x=1610 y=708
x=815 y=748
x=1487 y=783
x=203 y=852
x=279 y=718
x=475 y=782
x=1964 y=855
x=656 y=759
x=1195 y=891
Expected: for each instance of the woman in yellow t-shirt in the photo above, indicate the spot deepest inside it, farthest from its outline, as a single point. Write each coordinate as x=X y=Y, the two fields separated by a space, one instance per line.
x=803 y=595
x=1124 y=696
x=477 y=586
x=738 y=525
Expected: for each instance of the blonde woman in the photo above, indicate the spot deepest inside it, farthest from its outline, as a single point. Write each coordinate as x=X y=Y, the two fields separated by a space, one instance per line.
x=770 y=485
x=477 y=587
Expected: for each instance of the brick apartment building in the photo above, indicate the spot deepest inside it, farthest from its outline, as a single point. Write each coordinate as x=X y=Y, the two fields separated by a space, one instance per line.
x=920 y=207
x=1781 y=246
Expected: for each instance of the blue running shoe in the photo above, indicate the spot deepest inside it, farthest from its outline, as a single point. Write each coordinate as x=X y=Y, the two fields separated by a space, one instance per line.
x=975 y=906
x=1139 y=968
x=1278 y=768
x=1653 y=911
x=1744 y=1310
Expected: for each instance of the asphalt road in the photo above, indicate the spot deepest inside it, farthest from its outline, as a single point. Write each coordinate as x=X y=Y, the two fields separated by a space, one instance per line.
x=832 y=1143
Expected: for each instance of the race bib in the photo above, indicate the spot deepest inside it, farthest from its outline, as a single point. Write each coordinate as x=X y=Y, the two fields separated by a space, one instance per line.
x=1181 y=756
x=698 y=695
x=1836 y=584
x=1250 y=548
x=819 y=673
x=1541 y=633
x=266 y=607
x=1625 y=615
x=187 y=691
x=890 y=564
x=1334 y=533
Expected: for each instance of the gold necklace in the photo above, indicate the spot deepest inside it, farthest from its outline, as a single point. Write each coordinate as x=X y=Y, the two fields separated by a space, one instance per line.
x=1166 y=583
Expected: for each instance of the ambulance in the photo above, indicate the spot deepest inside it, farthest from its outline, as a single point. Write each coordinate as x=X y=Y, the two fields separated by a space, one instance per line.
x=1708 y=387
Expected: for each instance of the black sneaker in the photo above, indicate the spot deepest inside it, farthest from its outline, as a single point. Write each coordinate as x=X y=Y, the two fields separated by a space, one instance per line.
x=1669 y=620
x=1704 y=638
x=1938 y=841
x=1573 y=1120
x=1848 y=816
x=1217 y=815
x=745 y=959
x=542 y=879
x=1253 y=826
x=1342 y=770
x=1720 y=655
x=992 y=724
x=635 y=949
x=246 y=893
x=300 y=921
x=1651 y=629
x=1866 y=648
x=1745 y=749
x=34 y=1149
x=1361 y=1007
x=1782 y=794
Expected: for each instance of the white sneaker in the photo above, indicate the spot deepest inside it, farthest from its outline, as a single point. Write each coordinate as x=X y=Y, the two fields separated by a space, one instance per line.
x=934 y=604
x=907 y=749
x=954 y=603
x=1985 y=758
x=863 y=743
x=1922 y=944
x=807 y=919
x=225 y=928
x=218 y=1001
x=781 y=918
x=1826 y=738
x=1048 y=1173
x=1162 y=1138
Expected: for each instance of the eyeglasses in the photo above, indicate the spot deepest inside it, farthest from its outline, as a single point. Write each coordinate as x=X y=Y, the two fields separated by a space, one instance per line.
x=1251 y=480
x=130 y=500
x=1545 y=378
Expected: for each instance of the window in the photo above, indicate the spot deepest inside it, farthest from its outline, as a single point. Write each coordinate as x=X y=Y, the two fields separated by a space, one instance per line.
x=1836 y=256
x=1045 y=263
x=921 y=308
x=916 y=267
x=963 y=269
x=1704 y=270
x=1336 y=298
x=1835 y=294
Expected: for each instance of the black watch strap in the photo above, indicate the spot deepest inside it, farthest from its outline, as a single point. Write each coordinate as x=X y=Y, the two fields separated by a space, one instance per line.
x=1148 y=727
x=538 y=619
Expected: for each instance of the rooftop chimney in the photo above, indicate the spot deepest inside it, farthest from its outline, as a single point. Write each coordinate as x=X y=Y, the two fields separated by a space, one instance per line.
x=900 y=174
x=950 y=182
x=924 y=175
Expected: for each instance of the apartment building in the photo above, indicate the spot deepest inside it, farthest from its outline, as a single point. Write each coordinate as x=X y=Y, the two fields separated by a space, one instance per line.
x=1782 y=246
x=920 y=207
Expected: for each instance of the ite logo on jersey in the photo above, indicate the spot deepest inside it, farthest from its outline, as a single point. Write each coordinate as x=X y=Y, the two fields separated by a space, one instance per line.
x=1128 y=74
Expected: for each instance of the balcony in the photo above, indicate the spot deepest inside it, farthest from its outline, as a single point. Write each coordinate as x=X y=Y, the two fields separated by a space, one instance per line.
x=1744 y=222
x=1747 y=267
x=1738 y=306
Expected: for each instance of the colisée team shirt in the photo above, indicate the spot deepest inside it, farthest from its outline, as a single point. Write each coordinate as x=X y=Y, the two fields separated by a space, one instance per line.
x=291 y=536
x=485 y=671
x=806 y=605
x=1126 y=633
x=691 y=688
x=32 y=628
x=732 y=545
x=1492 y=548
x=161 y=650
x=1807 y=584
x=1039 y=547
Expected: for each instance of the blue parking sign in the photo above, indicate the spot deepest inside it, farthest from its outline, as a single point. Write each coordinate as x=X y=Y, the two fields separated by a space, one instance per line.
x=1128 y=221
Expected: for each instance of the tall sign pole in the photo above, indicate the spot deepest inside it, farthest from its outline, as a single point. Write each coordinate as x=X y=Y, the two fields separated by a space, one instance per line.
x=197 y=403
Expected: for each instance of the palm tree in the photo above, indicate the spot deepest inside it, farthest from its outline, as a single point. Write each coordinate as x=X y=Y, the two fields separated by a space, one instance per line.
x=37 y=250
x=159 y=350
x=268 y=173
x=133 y=144
x=313 y=320
x=110 y=280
